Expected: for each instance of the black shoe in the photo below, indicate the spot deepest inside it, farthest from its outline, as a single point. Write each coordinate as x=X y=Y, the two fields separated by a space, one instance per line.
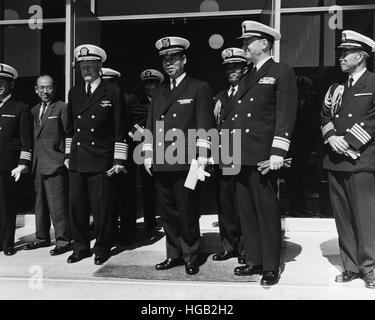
x=370 y=280
x=248 y=270
x=35 y=245
x=241 y=259
x=60 y=250
x=75 y=257
x=347 y=276
x=270 y=278
x=169 y=263
x=10 y=251
x=191 y=268
x=225 y=255
x=100 y=259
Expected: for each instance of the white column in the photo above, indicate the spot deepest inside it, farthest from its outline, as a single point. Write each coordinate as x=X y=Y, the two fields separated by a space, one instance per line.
x=68 y=47
x=276 y=12
x=92 y=6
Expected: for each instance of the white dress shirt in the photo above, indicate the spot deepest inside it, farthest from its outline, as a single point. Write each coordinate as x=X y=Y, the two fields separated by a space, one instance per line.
x=93 y=84
x=178 y=80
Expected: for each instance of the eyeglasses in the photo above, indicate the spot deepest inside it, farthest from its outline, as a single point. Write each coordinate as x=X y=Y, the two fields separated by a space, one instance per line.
x=42 y=88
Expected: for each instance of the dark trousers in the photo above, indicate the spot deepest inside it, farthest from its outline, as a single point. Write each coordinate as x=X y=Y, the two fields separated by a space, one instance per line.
x=148 y=194
x=126 y=199
x=8 y=212
x=229 y=220
x=51 y=203
x=260 y=217
x=178 y=208
x=125 y=207
x=353 y=204
x=91 y=193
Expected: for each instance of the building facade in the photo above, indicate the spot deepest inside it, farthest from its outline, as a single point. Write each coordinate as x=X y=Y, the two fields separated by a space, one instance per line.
x=38 y=36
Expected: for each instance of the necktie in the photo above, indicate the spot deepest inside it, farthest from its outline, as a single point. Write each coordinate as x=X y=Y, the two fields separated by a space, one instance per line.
x=253 y=71
x=231 y=94
x=88 y=93
x=350 y=84
x=41 y=112
x=173 y=83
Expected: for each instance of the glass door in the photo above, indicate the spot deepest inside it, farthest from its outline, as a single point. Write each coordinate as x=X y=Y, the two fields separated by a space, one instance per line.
x=85 y=28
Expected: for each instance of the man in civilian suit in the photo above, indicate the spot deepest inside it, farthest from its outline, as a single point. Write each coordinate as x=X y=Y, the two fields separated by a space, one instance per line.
x=96 y=149
x=185 y=103
x=15 y=154
x=235 y=65
x=51 y=183
x=348 y=127
x=265 y=112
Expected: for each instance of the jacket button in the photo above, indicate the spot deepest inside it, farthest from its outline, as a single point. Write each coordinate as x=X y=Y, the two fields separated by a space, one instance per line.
x=174 y=115
x=79 y=117
x=93 y=116
x=336 y=115
x=232 y=119
x=286 y=134
x=249 y=115
x=92 y=130
x=247 y=130
x=78 y=143
x=362 y=124
x=220 y=132
x=350 y=115
x=251 y=99
x=0 y=128
x=347 y=130
x=162 y=116
x=93 y=143
x=236 y=115
x=160 y=130
x=239 y=101
x=78 y=130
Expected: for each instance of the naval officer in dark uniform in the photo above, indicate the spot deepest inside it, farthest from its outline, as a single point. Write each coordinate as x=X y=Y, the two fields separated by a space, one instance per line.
x=265 y=111
x=235 y=64
x=184 y=103
x=348 y=127
x=125 y=208
x=15 y=154
x=151 y=79
x=96 y=149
